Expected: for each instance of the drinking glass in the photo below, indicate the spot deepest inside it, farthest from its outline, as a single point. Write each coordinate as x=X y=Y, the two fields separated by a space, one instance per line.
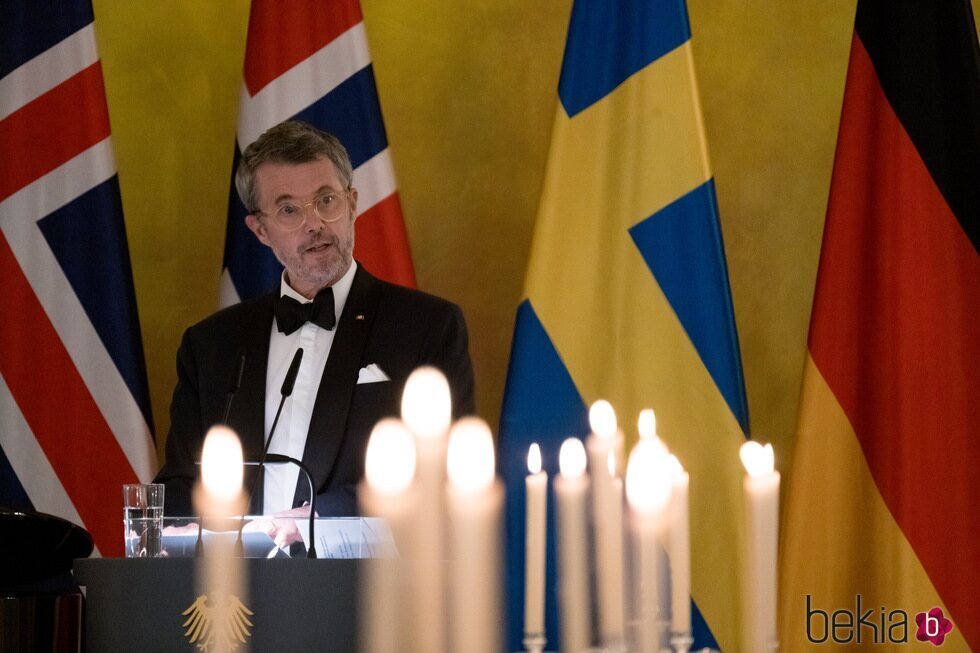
x=143 y=519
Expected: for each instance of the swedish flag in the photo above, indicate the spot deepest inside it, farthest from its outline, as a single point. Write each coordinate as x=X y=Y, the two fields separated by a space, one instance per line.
x=627 y=295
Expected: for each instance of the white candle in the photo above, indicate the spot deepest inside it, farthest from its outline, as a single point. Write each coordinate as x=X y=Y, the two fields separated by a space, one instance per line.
x=221 y=472
x=679 y=548
x=427 y=411
x=475 y=502
x=219 y=497
x=606 y=438
x=389 y=469
x=614 y=527
x=571 y=488
x=427 y=404
x=646 y=423
x=761 y=486
x=648 y=487
x=536 y=511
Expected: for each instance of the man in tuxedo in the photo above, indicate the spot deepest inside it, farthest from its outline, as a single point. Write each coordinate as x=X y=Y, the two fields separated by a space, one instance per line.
x=361 y=338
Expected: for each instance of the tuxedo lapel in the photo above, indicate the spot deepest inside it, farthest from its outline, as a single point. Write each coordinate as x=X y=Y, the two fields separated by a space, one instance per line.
x=328 y=424
x=248 y=412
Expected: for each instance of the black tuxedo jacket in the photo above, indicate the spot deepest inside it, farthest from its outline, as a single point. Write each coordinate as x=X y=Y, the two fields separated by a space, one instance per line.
x=397 y=328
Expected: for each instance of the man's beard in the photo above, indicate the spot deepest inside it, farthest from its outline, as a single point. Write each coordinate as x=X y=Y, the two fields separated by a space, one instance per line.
x=321 y=273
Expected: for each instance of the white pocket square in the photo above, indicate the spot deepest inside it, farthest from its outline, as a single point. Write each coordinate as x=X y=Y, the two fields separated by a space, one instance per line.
x=372 y=374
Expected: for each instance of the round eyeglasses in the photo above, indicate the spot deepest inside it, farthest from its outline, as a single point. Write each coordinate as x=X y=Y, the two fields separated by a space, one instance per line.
x=290 y=215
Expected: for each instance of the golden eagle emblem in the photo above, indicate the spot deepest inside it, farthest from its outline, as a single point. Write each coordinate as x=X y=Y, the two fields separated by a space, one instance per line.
x=217 y=622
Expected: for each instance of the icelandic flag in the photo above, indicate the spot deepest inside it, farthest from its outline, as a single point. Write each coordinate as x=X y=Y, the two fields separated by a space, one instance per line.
x=310 y=61
x=627 y=295
x=75 y=420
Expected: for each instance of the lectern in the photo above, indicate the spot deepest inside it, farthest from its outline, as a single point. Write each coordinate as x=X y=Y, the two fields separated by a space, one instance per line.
x=292 y=604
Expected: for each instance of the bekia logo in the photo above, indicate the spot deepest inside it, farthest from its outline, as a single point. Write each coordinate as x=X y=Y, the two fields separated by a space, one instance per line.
x=933 y=626
x=875 y=626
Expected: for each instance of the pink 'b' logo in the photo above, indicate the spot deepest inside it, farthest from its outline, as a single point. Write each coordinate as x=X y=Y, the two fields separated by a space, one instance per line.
x=933 y=627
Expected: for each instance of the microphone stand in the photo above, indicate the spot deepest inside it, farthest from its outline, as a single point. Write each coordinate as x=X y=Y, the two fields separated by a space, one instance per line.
x=287 y=389
x=280 y=459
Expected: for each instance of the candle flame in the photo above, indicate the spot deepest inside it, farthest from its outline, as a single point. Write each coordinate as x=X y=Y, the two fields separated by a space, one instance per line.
x=648 y=478
x=389 y=464
x=646 y=424
x=470 y=457
x=534 y=458
x=602 y=418
x=571 y=458
x=426 y=403
x=221 y=464
x=758 y=460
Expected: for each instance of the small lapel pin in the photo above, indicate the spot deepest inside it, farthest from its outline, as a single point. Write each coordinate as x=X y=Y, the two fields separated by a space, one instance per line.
x=358 y=317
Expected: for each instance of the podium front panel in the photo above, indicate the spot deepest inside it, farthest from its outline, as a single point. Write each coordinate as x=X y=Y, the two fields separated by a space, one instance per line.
x=296 y=604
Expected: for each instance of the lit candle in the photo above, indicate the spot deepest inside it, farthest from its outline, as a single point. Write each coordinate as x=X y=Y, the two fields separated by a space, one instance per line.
x=605 y=439
x=389 y=463
x=646 y=423
x=536 y=488
x=669 y=592
x=427 y=411
x=761 y=486
x=614 y=527
x=679 y=548
x=219 y=497
x=475 y=502
x=648 y=487
x=427 y=404
x=221 y=473
x=389 y=468
x=571 y=488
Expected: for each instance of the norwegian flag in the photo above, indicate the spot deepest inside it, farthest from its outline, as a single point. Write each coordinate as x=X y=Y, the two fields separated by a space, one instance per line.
x=75 y=419
x=309 y=60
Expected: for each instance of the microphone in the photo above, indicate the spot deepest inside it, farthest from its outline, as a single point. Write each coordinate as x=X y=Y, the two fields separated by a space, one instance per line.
x=285 y=391
x=278 y=459
x=236 y=384
x=289 y=382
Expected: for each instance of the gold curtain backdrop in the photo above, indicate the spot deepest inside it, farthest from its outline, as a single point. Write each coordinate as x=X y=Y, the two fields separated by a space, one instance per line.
x=468 y=92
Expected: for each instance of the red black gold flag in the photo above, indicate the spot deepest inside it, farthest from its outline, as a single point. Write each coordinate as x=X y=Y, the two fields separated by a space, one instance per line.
x=882 y=524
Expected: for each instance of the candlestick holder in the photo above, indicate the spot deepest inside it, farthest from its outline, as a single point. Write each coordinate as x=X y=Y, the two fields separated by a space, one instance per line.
x=665 y=635
x=681 y=642
x=534 y=642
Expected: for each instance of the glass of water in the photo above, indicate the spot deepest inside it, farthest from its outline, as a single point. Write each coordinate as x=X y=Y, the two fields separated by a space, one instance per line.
x=143 y=520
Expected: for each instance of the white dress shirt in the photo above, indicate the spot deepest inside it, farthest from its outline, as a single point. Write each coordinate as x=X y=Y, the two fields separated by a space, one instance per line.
x=294 y=423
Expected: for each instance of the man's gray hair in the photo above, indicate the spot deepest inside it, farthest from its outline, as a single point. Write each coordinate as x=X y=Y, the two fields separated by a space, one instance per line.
x=292 y=141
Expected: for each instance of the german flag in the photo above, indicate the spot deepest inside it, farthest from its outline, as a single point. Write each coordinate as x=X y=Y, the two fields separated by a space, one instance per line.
x=883 y=508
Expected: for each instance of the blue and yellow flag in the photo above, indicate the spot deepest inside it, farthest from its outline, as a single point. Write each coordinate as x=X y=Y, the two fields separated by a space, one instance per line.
x=627 y=295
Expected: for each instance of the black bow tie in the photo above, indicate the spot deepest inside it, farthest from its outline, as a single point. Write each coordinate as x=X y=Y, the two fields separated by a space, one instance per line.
x=291 y=315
